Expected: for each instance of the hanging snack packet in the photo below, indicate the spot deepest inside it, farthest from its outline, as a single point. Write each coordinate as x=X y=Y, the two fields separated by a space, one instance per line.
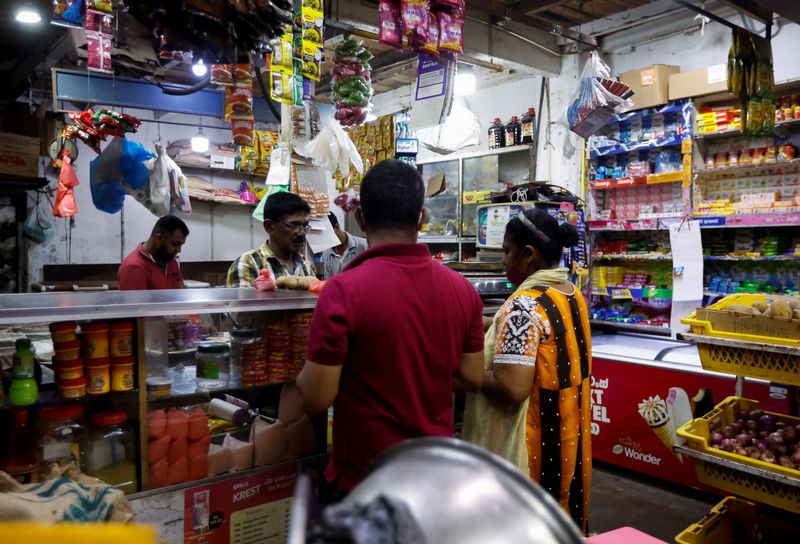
x=431 y=41
x=243 y=73
x=221 y=74
x=451 y=32
x=242 y=99
x=242 y=130
x=281 y=87
x=389 y=23
x=414 y=16
x=312 y=60
x=100 y=5
x=312 y=25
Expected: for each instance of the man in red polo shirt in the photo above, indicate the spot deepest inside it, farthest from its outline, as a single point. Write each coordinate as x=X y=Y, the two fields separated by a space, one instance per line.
x=152 y=265
x=393 y=335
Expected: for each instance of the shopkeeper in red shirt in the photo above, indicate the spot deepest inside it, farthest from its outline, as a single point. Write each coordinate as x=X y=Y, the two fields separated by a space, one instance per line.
x=393 y=335
x=152 y=265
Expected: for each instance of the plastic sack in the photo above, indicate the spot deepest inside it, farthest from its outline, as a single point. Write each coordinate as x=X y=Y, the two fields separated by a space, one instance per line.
x=258 y=213
x=65 y=205
x=121 y=162
x=265 y=281
x=598 y=99
x=333 y=149
x=37 y=228
x=178 y=187
x=280 y=172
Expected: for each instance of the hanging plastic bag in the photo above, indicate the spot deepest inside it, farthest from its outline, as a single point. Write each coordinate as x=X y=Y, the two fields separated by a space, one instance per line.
x=258 y=213
x=122 y=166
x=154 y=194
x=279 y=167
x=333 y=149
x=37 y=228
x=598 y=99
x=65 y=205
x=179 y=187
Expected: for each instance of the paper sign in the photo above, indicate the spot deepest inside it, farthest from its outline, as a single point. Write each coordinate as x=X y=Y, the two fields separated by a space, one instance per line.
x=431 y=77
x=717 y=73
x=321 y=236
x=648 y=77
x=496 y=221
x=687 y=261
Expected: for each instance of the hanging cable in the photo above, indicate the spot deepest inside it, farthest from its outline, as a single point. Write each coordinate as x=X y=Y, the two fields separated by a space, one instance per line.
x=265 y=92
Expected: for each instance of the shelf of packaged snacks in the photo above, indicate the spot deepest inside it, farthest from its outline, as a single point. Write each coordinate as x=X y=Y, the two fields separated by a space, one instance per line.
x=791 y=123
x=659 y=223
x=617 y=149
x=220 y=171
x=722 y=134
x=752 y=258
x=771 y=168
x=214 y=200
x=66 y=306
x=632 y=293
x=632 y=257
x=631 y=181
x=774 y=219
x=631 y=327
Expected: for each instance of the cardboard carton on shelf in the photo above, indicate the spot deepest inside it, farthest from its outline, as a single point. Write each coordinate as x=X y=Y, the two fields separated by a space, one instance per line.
x=710 y=80
x=19 y=155
x=650 y=84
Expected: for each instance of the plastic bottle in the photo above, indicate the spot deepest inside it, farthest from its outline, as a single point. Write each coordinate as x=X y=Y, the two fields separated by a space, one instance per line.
x=513 y=132
x=528 y=126
x=20 y=460
x=24 y=391
x=497 y=134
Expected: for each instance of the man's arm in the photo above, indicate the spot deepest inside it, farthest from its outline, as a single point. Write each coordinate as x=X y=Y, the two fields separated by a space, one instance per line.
x=318 y=386
x=469 y=375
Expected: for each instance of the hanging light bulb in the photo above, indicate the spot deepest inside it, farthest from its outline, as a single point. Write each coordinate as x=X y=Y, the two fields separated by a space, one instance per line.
x=28 y=14
x=200 y=141
x=464 y=84
x=199 y=68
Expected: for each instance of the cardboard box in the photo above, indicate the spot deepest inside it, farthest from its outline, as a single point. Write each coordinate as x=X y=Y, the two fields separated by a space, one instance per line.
x=713 y=79
x=19 y=155
x=651 y=84
x=758 y=325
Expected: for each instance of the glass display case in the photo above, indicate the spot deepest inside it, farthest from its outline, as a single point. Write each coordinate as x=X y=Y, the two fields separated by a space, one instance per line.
x=444 y=207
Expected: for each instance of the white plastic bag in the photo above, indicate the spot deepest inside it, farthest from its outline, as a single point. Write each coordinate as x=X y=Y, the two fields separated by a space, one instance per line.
x=333 y=149
x=279 y=167
x=598 y=98
x=178 y=187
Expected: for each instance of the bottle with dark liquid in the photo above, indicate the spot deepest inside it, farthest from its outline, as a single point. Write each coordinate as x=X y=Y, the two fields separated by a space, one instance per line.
x=528 y=126
x=20 y=459
x=513 y=132
x=497 y=134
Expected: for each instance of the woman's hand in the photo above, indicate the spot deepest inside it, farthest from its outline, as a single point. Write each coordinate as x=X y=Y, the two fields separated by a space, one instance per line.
x=487 y=323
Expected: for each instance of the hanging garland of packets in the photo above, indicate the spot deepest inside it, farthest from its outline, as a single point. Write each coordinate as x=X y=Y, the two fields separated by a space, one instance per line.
x=751 y=79
x=297 y=54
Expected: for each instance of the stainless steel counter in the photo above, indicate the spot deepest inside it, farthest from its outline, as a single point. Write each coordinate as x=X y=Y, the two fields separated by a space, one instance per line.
x=41 y=307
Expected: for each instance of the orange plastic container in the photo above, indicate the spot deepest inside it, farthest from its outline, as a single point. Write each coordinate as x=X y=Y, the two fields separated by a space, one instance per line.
x=122 y=373
x=72 y=389
x=68 y=370
x=95 y=340
x=121 y=338
x=67 y=351
x=98 y=374
x=63 y=332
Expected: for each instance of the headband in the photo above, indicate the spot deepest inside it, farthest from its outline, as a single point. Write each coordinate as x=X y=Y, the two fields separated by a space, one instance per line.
x=531 y=227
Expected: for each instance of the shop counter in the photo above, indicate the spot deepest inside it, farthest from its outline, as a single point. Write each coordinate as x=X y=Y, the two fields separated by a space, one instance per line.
x=629 y=370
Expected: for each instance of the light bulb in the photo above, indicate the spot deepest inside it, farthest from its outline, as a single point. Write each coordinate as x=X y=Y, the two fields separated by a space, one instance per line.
x=464 y=83
x=200 y=142
x=199 y=69
x=28 y=15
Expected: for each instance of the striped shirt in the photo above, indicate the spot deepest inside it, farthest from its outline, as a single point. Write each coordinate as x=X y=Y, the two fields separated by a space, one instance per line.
x=333 y=263
x=244 y=270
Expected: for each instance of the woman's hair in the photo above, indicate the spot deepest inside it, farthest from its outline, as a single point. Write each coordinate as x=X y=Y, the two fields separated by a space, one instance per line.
x=537 y=228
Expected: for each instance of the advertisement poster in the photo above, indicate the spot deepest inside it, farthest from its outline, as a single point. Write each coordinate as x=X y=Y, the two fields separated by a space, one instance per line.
x=637 y=408
x=431 y=77
x=248 y=510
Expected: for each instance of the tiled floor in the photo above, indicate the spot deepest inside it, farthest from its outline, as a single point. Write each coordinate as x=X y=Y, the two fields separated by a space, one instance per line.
x=622 y=499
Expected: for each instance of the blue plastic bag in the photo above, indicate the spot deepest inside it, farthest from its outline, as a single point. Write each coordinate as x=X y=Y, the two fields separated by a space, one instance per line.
x=122 y=161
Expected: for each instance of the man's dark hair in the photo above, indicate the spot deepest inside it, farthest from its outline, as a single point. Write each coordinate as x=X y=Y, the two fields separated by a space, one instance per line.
x=392 y=196
x=279 y=205
x=333 y=219
x=169 y=224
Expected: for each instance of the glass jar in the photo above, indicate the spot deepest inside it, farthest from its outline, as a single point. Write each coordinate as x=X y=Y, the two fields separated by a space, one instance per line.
x=213 y=366
x=110 y=451
x=60 y=431
x=248 y=358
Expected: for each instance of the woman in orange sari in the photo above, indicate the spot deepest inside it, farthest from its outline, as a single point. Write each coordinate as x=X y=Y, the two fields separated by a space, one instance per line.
x=534 y=406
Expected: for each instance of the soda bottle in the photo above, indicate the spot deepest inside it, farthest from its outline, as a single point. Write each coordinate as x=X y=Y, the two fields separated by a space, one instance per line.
x=497 y=134
x=513 y=132
x=528 y=126
x=20 y=460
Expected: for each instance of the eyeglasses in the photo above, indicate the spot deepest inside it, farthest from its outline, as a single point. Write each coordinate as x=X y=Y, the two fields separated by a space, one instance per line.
x=298 y=227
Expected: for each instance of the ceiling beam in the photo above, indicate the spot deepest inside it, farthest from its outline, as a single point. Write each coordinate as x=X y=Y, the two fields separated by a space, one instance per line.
x=752 y=10
x=790 y=10
x=516 y=16
x=533 y=6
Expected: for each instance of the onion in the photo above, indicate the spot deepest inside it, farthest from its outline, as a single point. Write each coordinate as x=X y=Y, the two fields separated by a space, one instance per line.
x=780 y=425
x=716 y=438
x=796 y=458
x=756 y=414
x=726 y=444
x=775 y=439
x=738 y=425
x=751 y=425
x=742 y=451
x=728 y=432
x=785 y=461
x=789 y=435
x=755 y=454
x=760 y=446
x=766 y=422
x=744 y=439
x=782 y=449
x=744 y=414
x=767 y=457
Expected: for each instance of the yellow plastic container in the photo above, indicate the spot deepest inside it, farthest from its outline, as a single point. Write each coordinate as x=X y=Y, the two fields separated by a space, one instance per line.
x=77 y=533
x=767 y=365
x=703 y=326
x=738 y=520
x=697 y=434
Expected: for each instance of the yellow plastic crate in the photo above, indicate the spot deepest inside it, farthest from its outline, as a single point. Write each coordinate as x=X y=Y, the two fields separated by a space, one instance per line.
x=738 y=520
x=702 y=326
x=76 y=533
x=697 y=433
x=767 y=365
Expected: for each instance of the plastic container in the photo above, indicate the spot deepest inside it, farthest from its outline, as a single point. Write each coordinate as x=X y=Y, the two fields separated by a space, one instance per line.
x=122 y=373
x=60 y=431
x=20 y=461
x=110 y=451
x=95 y=340
x=513 y=132
x=36 y=532
x=68 y=370
x=248 y=358
x=24 y=390
x=739 y=520
x=697 y=434
x=67 y=351
x=213 y=366
x=98 y=375
x=121 y=339
x=72 y=389
x=158 y=387
x=528 y=126
x=63 y=332
x=497 y=134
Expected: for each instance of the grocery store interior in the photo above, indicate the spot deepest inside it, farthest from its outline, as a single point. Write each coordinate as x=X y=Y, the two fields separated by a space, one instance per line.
x=149 y=393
